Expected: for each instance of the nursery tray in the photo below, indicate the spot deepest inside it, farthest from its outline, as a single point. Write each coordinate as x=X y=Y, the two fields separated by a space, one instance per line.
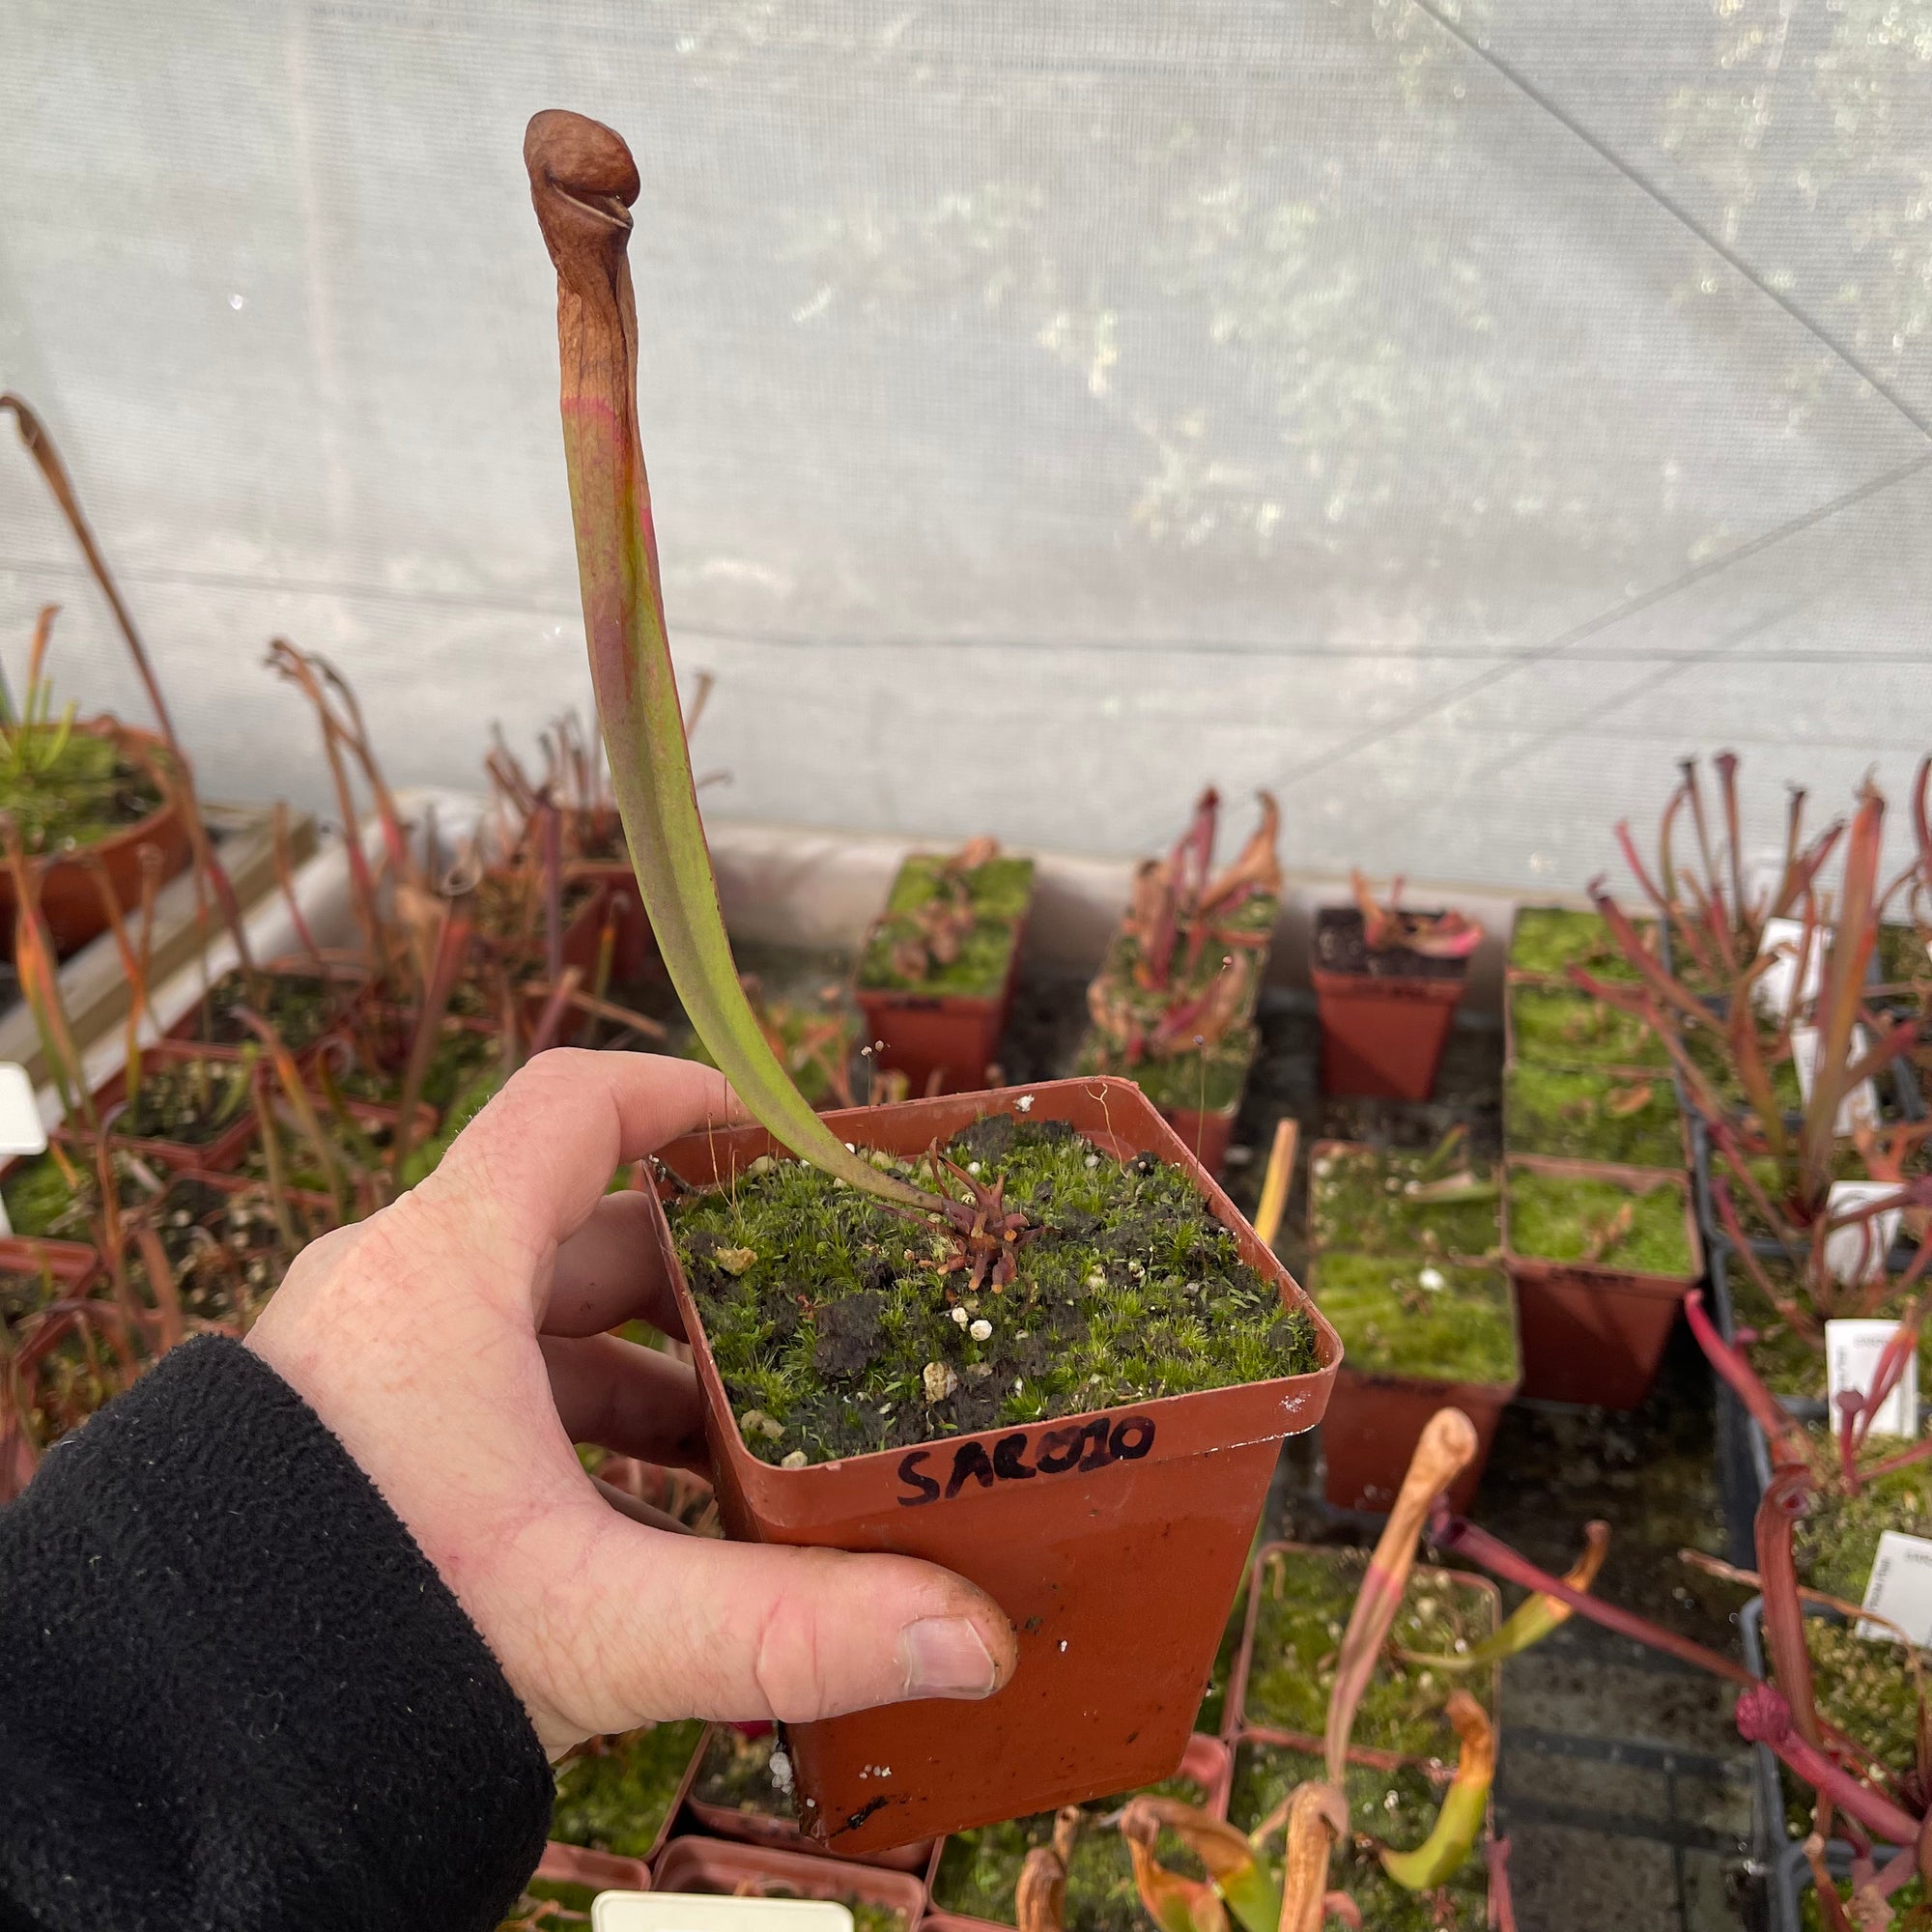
x=1116 y=1558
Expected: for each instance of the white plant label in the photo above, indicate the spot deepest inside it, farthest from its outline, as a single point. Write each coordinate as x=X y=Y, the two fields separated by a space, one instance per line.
x=1851 y=1350
x=1901 y=1589
x=1856 y=1109
x=1858 y=1253
x=22 y=1129
x=1782 y=938
x=711 y=1912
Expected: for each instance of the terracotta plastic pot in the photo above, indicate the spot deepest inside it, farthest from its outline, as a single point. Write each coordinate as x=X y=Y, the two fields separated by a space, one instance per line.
x=219 y=1156
x=1112 y=1541
x=634 y=949
x=67 y=1262
x=578 y=1864
x=941 y=1042
x=70 y=898
x=779 y=1833
x=1205 y=1135
x=717 y=1865
x=1375 y=1421
x=1593 y=1333
x=1382 y=1038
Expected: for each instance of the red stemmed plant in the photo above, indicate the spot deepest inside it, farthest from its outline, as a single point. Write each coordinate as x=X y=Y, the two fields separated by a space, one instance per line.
x=1387 y=927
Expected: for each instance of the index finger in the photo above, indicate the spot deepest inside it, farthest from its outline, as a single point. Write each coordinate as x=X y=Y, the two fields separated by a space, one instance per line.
x=537 y=1159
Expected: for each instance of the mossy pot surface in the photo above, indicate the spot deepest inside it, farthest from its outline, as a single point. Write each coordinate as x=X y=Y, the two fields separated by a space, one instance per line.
x=1581 y=1215
x=1411 y=1315
x=1560 y=1026
x=619 y=1794
x=1299 y=1602
x=999 y=891
x=1396 y=1805
x=1586 y=1114
x=1547 y=941
x=1113 y=1535
x=1379 y=1200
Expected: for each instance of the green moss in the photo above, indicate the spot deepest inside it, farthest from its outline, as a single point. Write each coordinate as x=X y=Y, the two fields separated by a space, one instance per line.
x=1207 y=1080
x=999 y=891
x=191 y=1101
x=1906 y=1902
x=76 y=795
x=1366 y=1200
x=1838 y=1542
x=617 y=1795
x=979 y=1870
x=1417 y=1317
x=1589 y=1115
x=814 y=1041
x=1866 y=1689
x=1559 y=1027
x=1594 y=1219
x=1785 y=1360
x=1548 y=940
x=1396 y=1808
x=1131 y=1289
x=1712 y=1055
x=547 y=1904
x=1902 y=957
x=1306 y=1597
x=43 y=1202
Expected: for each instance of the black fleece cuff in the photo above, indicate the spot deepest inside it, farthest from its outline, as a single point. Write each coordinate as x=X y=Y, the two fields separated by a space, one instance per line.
x=233 y=1693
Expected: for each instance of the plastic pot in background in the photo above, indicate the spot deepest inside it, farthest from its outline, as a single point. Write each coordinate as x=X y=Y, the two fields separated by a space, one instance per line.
x=718 y=1865
x=578 y=1864
x=1375 y=1421
x=1112 y=1541
x=779 y=1832
x=1593 y=1332
x=1385 y=1018
x=634 y=950
x=68 y=1264
x=221 y=1152
x=70 y=902
x=941 y=1042
x=1206 y=1136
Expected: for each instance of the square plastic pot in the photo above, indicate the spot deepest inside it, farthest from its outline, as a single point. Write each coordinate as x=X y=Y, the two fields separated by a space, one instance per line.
x=1113 y=1540
x=218 y=1155
x=1208 y=1761
x=1205 y=1135
x=761 y=1828
x=718 y=1865
x=634 y=950
x=941 y=1042
x=1383 y=1035
x=578 y=1864
x=1593 y=1333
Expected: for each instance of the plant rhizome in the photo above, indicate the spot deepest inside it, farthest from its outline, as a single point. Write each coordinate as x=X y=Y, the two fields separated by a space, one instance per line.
x=841 y=1325
x=951 y=923
x=1173 y=1005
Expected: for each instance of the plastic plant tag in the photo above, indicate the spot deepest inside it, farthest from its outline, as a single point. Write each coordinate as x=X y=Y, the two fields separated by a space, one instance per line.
x=1851 y=1350
x=1782 y=937
x=707 y=1911
x=1858 y=1253
x=1856 y=1109
x=22 y=1129
x=1901 y=1589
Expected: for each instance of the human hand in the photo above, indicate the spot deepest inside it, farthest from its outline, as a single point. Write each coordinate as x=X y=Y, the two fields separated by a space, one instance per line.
x=456 y=1343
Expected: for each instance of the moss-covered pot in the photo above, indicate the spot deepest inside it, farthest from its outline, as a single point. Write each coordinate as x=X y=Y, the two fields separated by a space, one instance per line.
x=879 y=1901
x=621 y=1795
x=1114 y=1540
x=1360 y=1199
x=1547 y=941
x=1418 y=1335
x=1557 y=1025
x=1585 y=1112
x=1596 y=1309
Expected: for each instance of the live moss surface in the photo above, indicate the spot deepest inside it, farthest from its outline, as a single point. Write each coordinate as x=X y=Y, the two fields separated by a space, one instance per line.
x=1786 y=1361
x=548 y=1904
x=999 y=891
x=1203 y=1080
x=867 y=1915
x=1561 y=1027
x=1836 y=1542
x=1902 y=957
x=1548 y=940
x=1868 y=1690
x=191 y=1101
x=1712 y=1056
x=1595 y=1219
x=979 y=1870
x=824 y=1308
x=1373 y=1201
x=1906 y=1902
x=1306 y=1597
x=77 y=795
x=1413 y=1316
x=1582 y=1114
x=616 y=1796
x=52 y=1202
x=1394 y=1807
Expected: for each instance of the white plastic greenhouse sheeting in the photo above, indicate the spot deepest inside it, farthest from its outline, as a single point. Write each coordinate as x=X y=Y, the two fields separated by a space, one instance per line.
x=1445 y=413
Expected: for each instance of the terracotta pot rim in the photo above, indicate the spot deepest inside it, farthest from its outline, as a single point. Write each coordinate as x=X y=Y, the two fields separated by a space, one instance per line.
x=106 y=726
x=895 y=1891
x=815 y=1475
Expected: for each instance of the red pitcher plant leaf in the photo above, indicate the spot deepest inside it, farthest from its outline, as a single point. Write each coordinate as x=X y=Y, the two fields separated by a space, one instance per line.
x=1785 y=1437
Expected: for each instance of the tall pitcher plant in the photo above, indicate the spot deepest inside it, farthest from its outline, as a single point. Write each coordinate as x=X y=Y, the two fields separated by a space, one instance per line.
x=583 y=183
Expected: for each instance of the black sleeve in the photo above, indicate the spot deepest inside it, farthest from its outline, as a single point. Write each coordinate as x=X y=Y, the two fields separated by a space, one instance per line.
x=233 y=1693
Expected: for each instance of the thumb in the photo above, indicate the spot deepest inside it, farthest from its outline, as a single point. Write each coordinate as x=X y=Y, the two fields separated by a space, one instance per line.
x=688 y=1627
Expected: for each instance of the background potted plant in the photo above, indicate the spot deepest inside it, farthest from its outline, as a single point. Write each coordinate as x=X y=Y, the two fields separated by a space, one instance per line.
x=1387 y=983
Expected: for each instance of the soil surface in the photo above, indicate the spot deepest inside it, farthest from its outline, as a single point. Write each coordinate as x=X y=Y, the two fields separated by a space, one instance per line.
x=1341 y=946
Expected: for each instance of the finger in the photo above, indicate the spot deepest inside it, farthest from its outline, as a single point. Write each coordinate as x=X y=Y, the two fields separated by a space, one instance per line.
x=611 y=1272
x=738 y=1631
x=530 y=1167
x=632 y=1401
